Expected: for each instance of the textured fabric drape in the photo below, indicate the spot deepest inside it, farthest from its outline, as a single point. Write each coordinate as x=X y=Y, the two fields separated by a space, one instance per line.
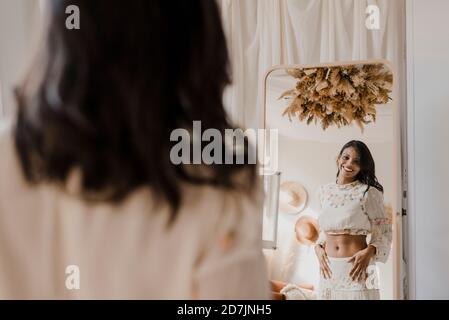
x=265 y=33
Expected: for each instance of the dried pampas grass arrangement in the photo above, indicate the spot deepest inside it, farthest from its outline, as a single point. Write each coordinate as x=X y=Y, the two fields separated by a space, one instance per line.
x=338 y=95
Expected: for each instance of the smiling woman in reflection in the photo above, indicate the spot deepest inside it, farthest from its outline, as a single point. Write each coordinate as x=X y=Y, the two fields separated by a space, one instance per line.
x=351 y=209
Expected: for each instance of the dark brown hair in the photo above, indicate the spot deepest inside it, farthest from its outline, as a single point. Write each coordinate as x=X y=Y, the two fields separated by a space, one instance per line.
x=105 y=98
x=367 y=174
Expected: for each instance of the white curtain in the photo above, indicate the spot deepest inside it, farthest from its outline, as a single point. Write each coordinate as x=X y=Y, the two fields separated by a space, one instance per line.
x=264 y=33
x=19 y=28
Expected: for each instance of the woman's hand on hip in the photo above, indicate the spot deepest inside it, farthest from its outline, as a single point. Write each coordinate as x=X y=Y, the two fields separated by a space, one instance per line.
x=360 y=262
x=325 y=269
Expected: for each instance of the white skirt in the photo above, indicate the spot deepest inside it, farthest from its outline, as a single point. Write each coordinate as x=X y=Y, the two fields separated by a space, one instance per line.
x=341 y=287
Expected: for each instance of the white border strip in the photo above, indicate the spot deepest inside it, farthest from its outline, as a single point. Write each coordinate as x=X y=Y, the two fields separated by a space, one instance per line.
x=2 y=108
x=411 y=214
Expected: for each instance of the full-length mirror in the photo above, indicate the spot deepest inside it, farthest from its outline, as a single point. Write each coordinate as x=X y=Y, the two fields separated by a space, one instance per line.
x=344 y=196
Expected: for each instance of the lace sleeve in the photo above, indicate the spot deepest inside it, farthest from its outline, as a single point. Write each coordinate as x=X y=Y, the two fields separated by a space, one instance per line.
x=381 y=229
x=322 y=235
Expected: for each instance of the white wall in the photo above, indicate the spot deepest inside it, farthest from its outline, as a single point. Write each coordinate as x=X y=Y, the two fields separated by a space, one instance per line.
x=18 y=38
x=428 y=107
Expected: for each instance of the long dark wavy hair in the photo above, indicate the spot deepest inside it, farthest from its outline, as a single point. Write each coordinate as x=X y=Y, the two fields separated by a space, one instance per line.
x=104 y=99
x=367 y=174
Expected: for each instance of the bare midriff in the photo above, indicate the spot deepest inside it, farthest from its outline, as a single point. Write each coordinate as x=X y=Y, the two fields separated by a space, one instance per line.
x=344 y=245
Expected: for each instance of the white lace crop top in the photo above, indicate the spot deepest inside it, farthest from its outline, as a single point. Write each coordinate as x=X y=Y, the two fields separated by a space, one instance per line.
x=347 y=209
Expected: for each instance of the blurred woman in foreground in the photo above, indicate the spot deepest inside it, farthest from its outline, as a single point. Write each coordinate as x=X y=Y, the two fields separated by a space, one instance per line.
x=91 y=205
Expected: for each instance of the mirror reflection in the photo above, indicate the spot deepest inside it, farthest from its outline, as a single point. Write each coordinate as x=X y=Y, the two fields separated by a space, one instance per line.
x=339 y=169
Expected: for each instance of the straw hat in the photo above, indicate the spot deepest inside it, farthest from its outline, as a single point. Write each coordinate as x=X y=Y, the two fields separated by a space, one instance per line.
x=307 y=230
x=292 y=197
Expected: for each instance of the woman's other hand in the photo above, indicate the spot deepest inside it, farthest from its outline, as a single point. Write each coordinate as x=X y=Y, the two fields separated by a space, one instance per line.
x=325 y=269
x=360 y=262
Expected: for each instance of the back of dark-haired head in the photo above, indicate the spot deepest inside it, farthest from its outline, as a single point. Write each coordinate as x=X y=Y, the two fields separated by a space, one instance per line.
x=104 y=99
x=367 y=174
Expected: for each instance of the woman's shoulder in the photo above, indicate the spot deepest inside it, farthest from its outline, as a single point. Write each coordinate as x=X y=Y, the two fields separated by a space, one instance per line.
x=214 y=212
x=370 y=190
x=13 y=183
x=6 y=126
x=373 y=194
x=324 y=189
x=207 y=195
x=8 y=159
x=326 y=186
x=9 y=163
